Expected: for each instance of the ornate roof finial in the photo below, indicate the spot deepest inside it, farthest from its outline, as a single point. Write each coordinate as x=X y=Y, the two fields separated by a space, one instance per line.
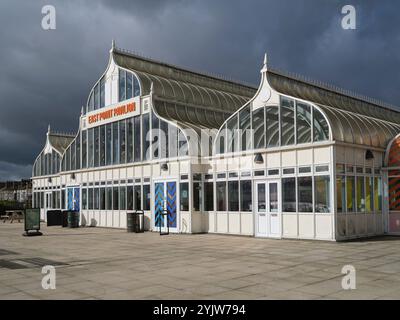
x=48 y=129
x=112 y=44
x=265 y=63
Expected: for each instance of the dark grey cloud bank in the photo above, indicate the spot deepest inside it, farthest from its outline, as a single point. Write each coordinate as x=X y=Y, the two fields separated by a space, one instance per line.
x=45 y=76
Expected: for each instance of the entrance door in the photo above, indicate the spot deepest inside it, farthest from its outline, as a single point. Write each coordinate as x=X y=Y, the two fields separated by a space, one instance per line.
x=73 y=199
x=268 y=215
x=165 y=198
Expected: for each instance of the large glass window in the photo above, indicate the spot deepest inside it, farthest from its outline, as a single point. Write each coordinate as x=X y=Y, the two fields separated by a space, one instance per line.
x=184 y=196
x=305 y=196
x=322 y=193
x=221 y=196
x=96 y=199
x=341 y=194
x=233 y=196
x=246 y=196
x=289 y=194
x=287 y=121
x=102 y=198
x=209 y=196
x=303 y=112
x=350 y=194
x=259 y=128
x=129 y=85
x=360 y=195
x=137 y=139
x=109 y=195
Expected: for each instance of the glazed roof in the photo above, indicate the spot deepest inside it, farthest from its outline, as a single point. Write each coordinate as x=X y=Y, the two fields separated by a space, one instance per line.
x=60 y=141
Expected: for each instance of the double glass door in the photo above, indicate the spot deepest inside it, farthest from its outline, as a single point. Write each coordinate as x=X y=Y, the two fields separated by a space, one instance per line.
x=165 y=201
x=268 y=209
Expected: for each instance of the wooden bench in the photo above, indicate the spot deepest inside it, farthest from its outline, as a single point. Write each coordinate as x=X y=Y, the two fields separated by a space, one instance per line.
x=13 y=215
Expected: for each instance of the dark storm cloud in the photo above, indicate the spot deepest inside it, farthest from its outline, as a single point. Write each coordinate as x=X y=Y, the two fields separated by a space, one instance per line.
x=46 y=75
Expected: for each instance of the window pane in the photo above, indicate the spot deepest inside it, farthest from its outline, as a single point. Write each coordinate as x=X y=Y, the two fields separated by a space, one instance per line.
x=78 y=153
x=369 y=194
x=164 y=147
x=173 y=141
x=96 y=200
x=220 y=148
x=102 y=146
x=244 y=126
x=273 y=197
x=378 y=193
x=73 y=156
x=96 y=152
x=121 y=85
x=182 y=144
x=102 y=93
x=129 y=140
x=136 y=87
x=246 y=196
x=90 y=148
x=341 y=194
x=122 y=198
x=129 y=198
x=137 y=139
x=184 y=196
x=115 y=198
x=197 y=196
x=259 y=128
x=351 y=194
x=96 y=97
x=272 y=126
x=233 y=196
x=129 y=85
x=102 y=198
x=122 y=141
x=303 y=119
x=221 y=196
x=232 y=132
x=305 y=194
x=109 y=198
x=321 y=128
x=90 y=198
x=138 y=197
x=146 y=137
x=261 y=199
x=287 y=121
x=289 y=195
x=146 y=197
x=322 y=194
x=115 y=131
x=108 y=144
x=209 y=196
x=84 y=199
x=360 y=195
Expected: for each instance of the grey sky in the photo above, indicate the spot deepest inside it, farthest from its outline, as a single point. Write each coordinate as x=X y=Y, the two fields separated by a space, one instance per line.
x=46 y=75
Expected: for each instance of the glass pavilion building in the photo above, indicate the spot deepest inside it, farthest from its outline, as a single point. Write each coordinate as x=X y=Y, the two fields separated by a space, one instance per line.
x=291 y=159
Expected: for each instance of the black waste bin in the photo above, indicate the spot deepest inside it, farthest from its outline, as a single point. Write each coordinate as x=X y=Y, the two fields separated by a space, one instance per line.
x=73 y=219
x=54 y=218
x=135 y=221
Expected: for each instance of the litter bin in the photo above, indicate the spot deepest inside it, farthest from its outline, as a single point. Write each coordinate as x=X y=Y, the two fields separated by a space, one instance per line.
x=135 y=221
x=73 y=219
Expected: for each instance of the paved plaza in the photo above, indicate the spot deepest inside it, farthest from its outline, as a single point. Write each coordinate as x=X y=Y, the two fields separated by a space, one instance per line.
x=96 y=263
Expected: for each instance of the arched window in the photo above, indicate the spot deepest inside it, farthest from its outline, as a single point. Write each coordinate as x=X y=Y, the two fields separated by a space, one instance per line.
x=128 y=85
x=47 y=164
x=292 y=122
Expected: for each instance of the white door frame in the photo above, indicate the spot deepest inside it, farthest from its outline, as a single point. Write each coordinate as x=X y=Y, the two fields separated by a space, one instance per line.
x=269 y=216
x=153 y=215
